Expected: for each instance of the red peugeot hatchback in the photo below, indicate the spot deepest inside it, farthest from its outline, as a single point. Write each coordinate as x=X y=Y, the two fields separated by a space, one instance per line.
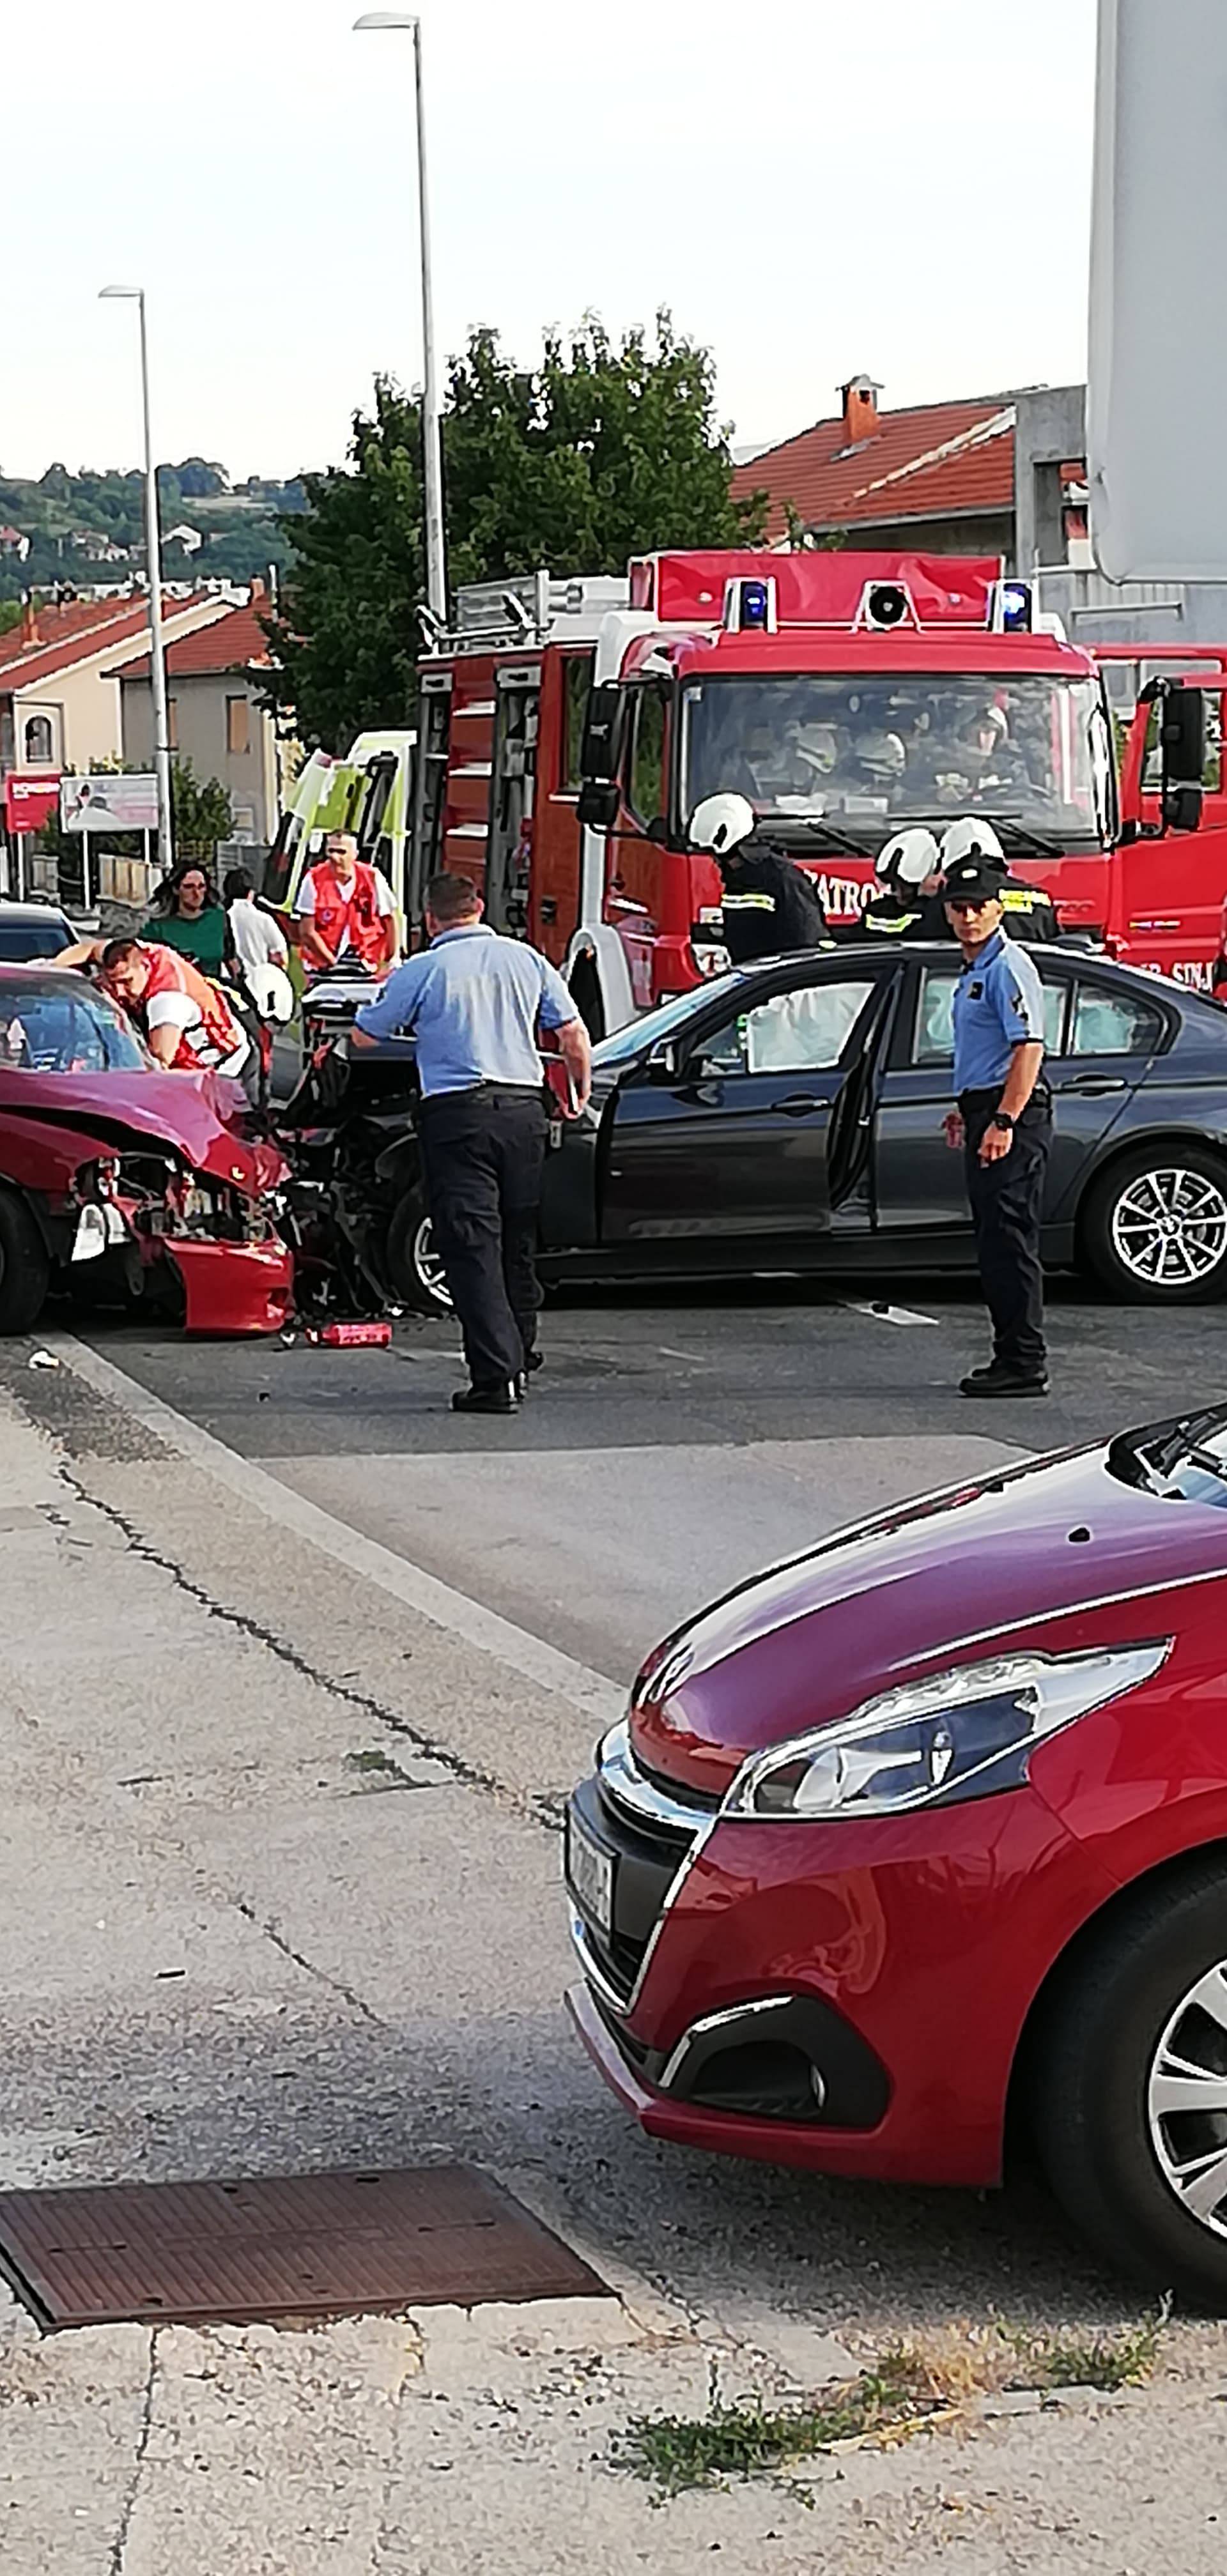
x=931 y=1824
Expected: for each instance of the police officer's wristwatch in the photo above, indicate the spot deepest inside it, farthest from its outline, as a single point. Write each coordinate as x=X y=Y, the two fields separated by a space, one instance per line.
x=1001 y=1118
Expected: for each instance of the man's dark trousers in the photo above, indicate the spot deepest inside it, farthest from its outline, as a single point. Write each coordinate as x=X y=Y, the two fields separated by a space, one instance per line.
x=1007 y=1198
x=484 y=1152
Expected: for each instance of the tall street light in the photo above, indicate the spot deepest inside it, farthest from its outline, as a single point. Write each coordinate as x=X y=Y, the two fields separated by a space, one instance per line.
x=436 y=564
x=153 y=565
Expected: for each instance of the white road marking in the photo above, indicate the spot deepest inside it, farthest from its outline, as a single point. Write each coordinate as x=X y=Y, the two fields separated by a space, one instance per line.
x=883 y=1314
x=595 y=1696
x=700 y=1358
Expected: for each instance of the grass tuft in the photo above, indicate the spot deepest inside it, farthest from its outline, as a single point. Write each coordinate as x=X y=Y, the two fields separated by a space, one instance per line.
x=677 y=2451
x=1123 y=2359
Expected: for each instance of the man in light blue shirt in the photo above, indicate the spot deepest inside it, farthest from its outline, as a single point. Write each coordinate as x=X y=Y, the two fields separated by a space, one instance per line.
x=474 y=1003
x=1003 y=1122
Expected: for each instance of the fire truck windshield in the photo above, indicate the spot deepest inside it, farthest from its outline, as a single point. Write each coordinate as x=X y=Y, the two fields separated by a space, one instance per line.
x=893 y=747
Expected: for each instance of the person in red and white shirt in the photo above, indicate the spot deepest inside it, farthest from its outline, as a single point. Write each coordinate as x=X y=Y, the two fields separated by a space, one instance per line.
x=186 y=1022
x=346 y=911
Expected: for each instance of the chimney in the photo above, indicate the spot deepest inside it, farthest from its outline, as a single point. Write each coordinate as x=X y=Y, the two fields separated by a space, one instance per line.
x=257 y=596
x=859 y=398
x=28 y=635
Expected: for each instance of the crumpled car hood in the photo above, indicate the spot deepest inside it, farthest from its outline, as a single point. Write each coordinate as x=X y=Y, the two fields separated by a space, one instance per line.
x=198 y=1115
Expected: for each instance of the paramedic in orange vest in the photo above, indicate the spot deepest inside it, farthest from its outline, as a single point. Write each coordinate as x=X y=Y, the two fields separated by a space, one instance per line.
x=188 y=1026
x=346 y=911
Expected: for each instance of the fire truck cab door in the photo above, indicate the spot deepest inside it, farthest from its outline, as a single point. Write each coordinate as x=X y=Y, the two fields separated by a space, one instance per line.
x=1171 y=885
x=513 y=786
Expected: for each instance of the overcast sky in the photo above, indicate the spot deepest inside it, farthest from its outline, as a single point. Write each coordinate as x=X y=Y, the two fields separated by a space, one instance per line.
x=812 y=187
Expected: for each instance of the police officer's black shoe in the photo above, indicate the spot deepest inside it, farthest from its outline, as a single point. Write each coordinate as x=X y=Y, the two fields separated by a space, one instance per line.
x=486 y=1399
x=996 y=1379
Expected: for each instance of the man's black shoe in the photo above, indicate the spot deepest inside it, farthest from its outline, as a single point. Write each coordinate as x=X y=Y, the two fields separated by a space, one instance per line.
x=486 y=1399
x=534 y=1361
x=996 y=1380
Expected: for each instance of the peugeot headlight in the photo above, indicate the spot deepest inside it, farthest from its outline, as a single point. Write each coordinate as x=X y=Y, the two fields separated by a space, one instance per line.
x=963 y=1734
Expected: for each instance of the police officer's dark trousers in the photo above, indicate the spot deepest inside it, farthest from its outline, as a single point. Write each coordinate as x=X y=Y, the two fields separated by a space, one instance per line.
x=484 y=1152
x=1007 y=1199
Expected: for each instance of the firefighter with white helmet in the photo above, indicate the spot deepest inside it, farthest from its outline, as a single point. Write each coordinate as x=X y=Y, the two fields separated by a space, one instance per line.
x=770 y=905
x=907 y=903
x=1030 y=915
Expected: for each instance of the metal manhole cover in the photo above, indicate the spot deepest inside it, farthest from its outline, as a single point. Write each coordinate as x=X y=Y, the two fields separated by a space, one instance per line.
x=301 y=2245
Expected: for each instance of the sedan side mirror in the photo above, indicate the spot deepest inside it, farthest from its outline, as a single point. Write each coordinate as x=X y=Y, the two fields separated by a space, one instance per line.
x=1182 y=753
x=663 y=1061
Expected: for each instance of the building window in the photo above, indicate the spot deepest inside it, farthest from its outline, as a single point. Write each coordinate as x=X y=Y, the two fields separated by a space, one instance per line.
x=172 y=724
x=39 y=752
x=238 y=725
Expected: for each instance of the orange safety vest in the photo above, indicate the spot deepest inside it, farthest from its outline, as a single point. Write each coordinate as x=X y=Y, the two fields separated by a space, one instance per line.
x=349 y=912
x=219 y=1029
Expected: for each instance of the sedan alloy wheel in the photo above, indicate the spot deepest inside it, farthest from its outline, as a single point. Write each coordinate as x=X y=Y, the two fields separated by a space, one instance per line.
x=1170 y=1227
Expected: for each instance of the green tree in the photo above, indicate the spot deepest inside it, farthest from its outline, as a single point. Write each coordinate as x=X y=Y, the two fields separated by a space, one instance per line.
x=202 y=812
x=599 y=453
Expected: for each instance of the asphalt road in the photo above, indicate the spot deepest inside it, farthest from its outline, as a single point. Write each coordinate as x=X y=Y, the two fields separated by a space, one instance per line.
x=674 y=1443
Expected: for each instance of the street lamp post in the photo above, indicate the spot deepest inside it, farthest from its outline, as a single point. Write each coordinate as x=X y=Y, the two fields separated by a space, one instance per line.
x=153 y=565
x=436 y=561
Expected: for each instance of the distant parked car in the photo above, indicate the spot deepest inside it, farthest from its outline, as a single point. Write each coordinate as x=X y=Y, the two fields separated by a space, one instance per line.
x=928 y=1828
x=789 y=1118
x=30 y=930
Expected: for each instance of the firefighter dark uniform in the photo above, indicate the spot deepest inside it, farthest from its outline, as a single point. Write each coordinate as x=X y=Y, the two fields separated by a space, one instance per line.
x=770 y=905
x=1030 y=915
x=998 y=1006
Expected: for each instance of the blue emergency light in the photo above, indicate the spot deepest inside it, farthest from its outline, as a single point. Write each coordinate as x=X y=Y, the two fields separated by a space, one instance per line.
x=1012 y=608
x=750 y=607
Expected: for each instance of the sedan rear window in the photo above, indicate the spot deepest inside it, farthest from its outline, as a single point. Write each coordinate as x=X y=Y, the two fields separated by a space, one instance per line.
x=1113 y=1023
x=22 y=939
x=934 y=1030
x=48 y=1028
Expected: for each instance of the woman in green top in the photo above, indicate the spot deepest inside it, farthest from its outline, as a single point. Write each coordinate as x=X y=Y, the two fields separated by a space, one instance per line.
x=189 y=915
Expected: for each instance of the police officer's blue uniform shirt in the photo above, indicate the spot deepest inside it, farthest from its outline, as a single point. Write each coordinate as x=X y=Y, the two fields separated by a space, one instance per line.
x=998 y=1005
x=473 y=1001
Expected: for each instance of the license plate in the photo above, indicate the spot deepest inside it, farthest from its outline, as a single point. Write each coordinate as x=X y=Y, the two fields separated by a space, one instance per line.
x=590 y=1874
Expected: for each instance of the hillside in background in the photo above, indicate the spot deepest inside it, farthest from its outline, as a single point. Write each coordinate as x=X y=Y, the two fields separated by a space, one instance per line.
x=89 y=527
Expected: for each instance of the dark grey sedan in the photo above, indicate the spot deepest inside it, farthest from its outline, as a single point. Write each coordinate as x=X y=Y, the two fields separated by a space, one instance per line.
x=789 y=1118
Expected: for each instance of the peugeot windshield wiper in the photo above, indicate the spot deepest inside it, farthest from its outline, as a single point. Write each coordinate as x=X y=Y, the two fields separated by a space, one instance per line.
x=1147 y=1457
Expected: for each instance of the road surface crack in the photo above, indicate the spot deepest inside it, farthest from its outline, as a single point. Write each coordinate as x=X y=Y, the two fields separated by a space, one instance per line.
x=336 y=1985
x=119 y=2552
x=543 y=1810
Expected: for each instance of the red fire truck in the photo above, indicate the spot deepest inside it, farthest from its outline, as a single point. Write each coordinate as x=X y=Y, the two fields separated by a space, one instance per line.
x=567 y=729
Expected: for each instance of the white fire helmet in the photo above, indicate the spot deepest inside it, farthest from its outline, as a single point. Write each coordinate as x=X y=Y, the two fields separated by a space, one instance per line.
x=908 y=857
x=970 y=835
x=720 y=822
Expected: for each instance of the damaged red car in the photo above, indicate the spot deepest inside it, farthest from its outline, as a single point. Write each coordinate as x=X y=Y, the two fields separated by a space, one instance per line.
x=109 y=1166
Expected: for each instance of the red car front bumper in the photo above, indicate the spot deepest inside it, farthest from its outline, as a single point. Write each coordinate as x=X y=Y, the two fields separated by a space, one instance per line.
x=232 y=1287
x=909 y=1949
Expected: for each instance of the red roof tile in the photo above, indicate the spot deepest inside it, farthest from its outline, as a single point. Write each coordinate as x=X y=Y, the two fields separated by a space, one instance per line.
x=231 y=645
x=927 y=463
x=75 y=631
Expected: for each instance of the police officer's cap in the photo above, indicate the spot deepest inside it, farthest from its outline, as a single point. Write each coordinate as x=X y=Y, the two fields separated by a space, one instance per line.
x=978 y=877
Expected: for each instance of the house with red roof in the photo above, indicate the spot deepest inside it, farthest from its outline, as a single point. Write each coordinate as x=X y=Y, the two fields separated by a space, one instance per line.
x=937 y=476
x=214 y=680
x=59 y=700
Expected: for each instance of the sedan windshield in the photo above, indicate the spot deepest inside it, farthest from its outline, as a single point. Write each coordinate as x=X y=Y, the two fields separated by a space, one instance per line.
x=633 y=1040
x=47 y=1027
x=893 y=747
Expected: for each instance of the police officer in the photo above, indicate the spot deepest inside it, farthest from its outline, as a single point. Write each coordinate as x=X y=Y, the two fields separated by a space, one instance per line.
x=1030 y=914
x=1003 y=1124
x=474 y=1002
x=770 y=905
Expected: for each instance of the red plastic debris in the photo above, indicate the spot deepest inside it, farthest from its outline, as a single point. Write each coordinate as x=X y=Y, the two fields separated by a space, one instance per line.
x=346 y=1337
